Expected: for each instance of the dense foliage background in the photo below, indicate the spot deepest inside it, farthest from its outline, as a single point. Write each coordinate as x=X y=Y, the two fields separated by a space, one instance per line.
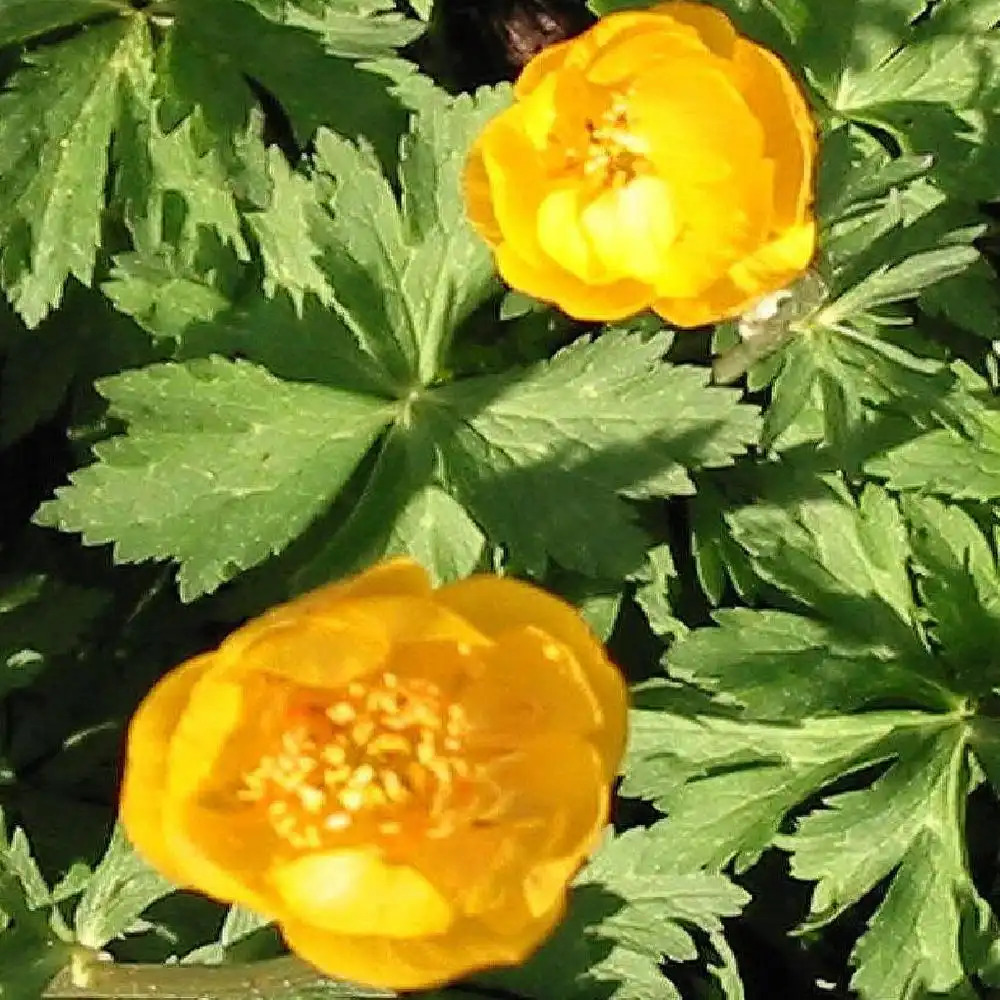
x=250 y=344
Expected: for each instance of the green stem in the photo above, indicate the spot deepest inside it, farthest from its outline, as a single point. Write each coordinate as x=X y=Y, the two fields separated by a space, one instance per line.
x=288 y=976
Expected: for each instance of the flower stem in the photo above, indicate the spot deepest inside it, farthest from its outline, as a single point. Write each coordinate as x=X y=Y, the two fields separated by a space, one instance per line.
x=272 y=978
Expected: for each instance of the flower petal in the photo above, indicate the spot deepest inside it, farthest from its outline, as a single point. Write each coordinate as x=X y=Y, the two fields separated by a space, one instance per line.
x=576 y=298
x=357 y=892
x=495 y=605
x=530 y=684
x=632 y=228
x=714 y=29
x=777 y=101
x=144 y=783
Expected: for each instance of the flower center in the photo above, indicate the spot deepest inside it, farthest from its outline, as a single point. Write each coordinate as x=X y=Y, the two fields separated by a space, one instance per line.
x=386 y=745
x=614 y=154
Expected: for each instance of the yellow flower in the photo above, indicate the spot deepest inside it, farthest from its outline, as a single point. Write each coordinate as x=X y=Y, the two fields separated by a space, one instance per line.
x=657 y=160
x=404 y=779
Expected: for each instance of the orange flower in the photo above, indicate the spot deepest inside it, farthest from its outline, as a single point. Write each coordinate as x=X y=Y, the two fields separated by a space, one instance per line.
x=657 y=160
x=404 y=779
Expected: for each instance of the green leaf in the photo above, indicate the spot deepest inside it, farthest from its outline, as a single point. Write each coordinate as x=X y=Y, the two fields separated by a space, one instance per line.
x=837 y=45
x=283 y=231
x=435 y=530
x=294 y=64
x=785 y=666
x=653 y=592
x=414 y=270
x=727 y=784
x=31 y=952
x=843 y=378
x=304 y=345
x=911 y=822
x=361 y=29
x=932 y=905
x=943 y=68
x=56 y=122
x=967 y=15
x=163 y=293
x=945 y=461
x=566 y=439
x=970 y=300
x=40 y=619
x=188 y=191
x=123 y=886
x=630 y=906
x=830 y=554
x=894 y=283
x=23 y=19
x=959 y=588
x=728 y=776
x=222 y=465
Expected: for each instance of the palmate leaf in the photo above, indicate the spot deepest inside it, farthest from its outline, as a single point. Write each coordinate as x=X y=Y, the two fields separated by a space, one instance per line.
x=31 y=951
x=804 y=694
x=223 y=465
x=542 y=456
x=414 y=269
x=56 y=122
x=890 y=235
x=121 y=888
x=630 y=907
x=176 y=107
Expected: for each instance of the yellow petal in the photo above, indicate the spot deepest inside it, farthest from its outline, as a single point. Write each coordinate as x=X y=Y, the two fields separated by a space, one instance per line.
x=478 y=198
x=418 y=963
x=777 y=263
x=714 y=29
x=562 y=237
x=145 y=778
x=495 y=605
x=632 y=227
x=540 y=67
x=530 y=684
x=777 y=101
x=356 y=892
x=698 y=125
x=516 y=181
x=655 y=41
x=576 y=298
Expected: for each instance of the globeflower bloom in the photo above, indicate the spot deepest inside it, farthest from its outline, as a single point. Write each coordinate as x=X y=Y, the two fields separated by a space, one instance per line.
x=405 y=779
x=659 y=160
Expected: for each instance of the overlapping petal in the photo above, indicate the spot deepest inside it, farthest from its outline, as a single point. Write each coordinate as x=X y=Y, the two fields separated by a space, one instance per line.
x=659 y=161
x=406 y=780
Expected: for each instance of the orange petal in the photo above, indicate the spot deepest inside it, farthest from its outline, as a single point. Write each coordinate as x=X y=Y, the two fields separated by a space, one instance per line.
x=713 y=27
x=530 y=684
x=413 y=964
x=145 y=779
x=495 y=605
x=576 y=298
x=356 y=892
x=478 y=199
x=777 y=263
x=225 y=854
x=399 y=577
x=777 y=101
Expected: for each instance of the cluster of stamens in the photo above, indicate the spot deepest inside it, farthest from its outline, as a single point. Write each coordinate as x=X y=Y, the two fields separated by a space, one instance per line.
x=614 y=154
x=386 y=745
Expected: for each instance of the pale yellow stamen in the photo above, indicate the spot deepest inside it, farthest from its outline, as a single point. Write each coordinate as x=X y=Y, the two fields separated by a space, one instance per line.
x=384 y=746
